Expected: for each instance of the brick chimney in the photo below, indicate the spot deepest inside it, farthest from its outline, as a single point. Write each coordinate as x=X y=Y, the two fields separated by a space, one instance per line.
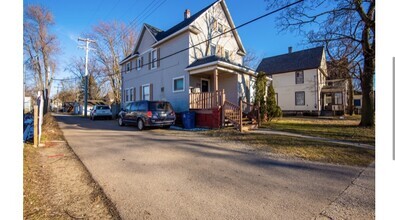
x=289 y=49
x=187 y=14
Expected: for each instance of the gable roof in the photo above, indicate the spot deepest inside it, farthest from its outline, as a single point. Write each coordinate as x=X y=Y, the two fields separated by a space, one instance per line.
x=154 y=30
x=183 y=23
x=159 y=34
x=299 y=60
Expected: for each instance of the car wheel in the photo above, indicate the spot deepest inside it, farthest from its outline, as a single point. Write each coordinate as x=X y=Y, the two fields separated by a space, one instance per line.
x=140 y=124
x=120 y=121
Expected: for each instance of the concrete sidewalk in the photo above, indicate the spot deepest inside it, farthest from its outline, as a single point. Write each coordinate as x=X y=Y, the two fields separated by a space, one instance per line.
x=357 y=201
x=268 y=131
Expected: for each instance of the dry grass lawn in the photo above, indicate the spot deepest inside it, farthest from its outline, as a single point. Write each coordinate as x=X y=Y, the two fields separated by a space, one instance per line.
x=340 y=129
x=299 y=147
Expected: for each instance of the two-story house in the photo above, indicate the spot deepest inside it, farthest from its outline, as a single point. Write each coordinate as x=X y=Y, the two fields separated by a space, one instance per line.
x=298 y=78
x=195 y=65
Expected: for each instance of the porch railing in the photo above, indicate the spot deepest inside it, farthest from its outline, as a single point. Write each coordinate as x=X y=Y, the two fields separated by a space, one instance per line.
x=233 y=113
x=206 y=100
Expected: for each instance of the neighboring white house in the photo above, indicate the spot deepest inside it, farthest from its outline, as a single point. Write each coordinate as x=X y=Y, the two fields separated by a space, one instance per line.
x=187 y=65
x=298 y=78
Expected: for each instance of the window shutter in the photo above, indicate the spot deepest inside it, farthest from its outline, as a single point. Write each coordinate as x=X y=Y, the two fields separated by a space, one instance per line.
x=151 y=92
x=142 y=62
x=137 y=64
x=134 y=94
x=158 y=57
x=149 y=60
x=131 y=66
x=141 y=92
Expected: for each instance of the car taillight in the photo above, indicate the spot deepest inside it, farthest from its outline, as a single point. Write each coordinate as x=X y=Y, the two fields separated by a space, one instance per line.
x=149 y=114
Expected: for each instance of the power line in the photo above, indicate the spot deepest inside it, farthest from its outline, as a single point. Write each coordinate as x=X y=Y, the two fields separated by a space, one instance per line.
x=232 y=29
x=209 y=39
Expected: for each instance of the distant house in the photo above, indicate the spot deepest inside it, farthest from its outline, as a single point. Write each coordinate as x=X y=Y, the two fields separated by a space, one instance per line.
x=357 y=101
x=298 y=78
x=185 y=66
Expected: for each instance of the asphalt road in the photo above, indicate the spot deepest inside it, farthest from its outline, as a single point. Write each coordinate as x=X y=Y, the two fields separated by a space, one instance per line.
x=161 y=174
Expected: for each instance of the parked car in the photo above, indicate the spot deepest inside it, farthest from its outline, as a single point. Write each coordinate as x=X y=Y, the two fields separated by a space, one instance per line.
x=100 y=111
x=147 y=114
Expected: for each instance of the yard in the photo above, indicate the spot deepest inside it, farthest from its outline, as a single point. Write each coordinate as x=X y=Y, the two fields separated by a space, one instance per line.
x=339 y=129
x=334 y=128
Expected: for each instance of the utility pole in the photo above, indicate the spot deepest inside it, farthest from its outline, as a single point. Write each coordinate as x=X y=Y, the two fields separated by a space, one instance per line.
x=86 y=47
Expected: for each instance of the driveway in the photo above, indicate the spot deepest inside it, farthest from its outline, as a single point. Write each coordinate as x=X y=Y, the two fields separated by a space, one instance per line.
x=164 y=174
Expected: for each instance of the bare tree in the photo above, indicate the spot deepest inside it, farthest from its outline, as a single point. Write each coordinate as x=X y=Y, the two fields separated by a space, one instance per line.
x=113 y=41
x=347 y=29
x=251 y=59
x=41 y=47
x=97 y=82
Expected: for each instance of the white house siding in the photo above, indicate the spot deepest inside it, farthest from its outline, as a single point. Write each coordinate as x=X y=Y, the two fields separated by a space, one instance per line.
x=285 y=86
x=229 y=82
x=170 y=68
x=227 y=41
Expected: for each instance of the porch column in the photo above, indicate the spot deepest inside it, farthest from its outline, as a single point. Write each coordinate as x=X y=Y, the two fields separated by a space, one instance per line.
x=215 y=80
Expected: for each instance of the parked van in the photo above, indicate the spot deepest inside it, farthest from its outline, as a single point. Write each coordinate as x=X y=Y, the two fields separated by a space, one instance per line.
x=147 y=114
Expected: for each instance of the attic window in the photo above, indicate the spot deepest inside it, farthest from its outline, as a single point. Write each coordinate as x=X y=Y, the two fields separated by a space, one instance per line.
x=220 y=28
x=299 y=77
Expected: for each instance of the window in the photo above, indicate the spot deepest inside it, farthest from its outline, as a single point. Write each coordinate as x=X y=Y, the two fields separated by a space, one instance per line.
x=146 y=92
x=338 y=98
x=220 y=28
x=128 y=67
x=227 y=54
x=154 y=59
x=213 y=49
x=139 y=63
x=127 y=95
x=178 y=84
x=299 y=98
x=299 y=77
x=357 y=102
x=132 y=98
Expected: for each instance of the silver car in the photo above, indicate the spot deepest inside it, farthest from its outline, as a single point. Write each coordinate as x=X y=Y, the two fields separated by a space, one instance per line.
x=101 y=111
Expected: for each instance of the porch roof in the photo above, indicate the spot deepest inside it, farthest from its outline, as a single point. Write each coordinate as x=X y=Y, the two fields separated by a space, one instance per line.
x=216 y=60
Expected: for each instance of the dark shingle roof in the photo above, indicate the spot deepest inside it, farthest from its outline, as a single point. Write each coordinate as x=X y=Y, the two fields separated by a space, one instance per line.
x=160 y=34
x=154 y=30
x=214 y=58
x=299 y=60
x=182 y=24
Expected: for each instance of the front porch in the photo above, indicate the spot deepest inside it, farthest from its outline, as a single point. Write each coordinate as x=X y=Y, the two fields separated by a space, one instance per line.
x=334 y=97
x=221 y=92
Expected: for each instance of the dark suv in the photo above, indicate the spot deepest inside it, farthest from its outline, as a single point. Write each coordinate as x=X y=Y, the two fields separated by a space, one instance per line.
x=147 y=114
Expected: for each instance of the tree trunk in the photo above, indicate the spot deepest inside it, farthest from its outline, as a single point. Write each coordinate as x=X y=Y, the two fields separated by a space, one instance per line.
x=367 y=118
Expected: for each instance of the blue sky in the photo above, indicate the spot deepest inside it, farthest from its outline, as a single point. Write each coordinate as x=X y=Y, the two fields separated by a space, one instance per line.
x=74 y=18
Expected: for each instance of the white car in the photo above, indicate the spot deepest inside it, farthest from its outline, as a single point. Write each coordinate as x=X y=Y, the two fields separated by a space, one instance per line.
x=101 y=111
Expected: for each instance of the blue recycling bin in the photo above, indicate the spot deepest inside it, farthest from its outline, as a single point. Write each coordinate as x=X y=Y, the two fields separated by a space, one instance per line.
x=188 y=120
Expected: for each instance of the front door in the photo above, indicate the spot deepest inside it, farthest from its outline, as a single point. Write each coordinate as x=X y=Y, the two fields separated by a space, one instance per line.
x=205 y=85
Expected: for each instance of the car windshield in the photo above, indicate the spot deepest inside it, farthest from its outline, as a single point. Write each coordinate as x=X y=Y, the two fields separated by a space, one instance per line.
x=160 y=106
x=103 y=107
